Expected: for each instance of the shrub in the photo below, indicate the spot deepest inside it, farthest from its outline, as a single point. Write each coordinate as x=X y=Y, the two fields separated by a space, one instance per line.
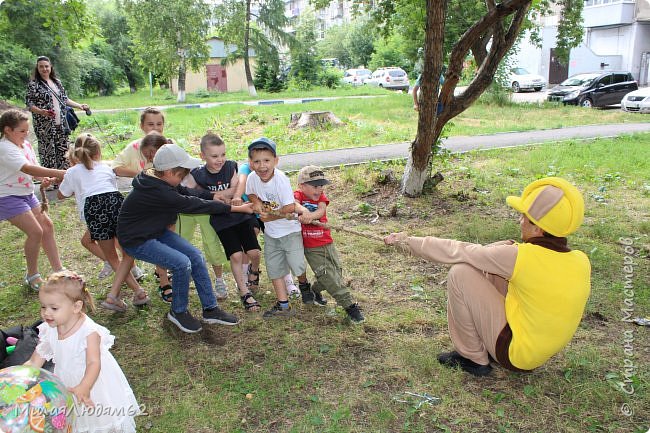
x=16 y=65
x=330 y=78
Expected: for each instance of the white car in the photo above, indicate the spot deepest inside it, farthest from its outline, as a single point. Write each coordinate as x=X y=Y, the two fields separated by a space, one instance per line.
x=356 y=77
x=389 y=78
x=521 y=79
x=637 y=101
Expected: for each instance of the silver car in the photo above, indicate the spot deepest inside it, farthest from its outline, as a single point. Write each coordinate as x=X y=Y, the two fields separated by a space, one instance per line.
x=390 y=78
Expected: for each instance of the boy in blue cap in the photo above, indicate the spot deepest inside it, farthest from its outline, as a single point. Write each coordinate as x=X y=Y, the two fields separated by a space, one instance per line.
x=270 y=192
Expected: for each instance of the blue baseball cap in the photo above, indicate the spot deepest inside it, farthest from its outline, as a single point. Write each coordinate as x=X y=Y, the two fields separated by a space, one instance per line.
x=262 y=143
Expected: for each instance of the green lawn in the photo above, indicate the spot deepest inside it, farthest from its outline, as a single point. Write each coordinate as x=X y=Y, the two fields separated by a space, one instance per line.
x=387 y=118
x=315 y=373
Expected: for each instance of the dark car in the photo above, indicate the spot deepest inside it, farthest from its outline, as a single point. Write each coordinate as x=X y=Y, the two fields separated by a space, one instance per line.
x=597 y=89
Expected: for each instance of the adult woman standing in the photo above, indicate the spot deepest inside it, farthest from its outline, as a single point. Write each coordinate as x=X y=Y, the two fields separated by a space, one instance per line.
x=45 y=97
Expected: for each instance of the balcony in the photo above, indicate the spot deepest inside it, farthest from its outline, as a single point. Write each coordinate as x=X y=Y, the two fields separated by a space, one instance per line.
x=601 y=13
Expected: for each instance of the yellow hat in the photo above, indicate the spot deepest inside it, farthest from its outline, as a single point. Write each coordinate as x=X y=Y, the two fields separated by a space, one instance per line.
x=552 y=204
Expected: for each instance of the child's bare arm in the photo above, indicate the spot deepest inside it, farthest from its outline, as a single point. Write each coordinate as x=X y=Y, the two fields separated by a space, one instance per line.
x=93 y=367
x=306 y=217
x=190 y=182
x=240 y=189
x=35 y=360
x=228 y=194
x=257 y=203
x=38 y=171
x=125 y=172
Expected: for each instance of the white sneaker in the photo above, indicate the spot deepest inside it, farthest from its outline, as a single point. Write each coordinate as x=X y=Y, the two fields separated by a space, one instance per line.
x=292 y=290
x=137 y=273
x=106 y=271
x=221 y=289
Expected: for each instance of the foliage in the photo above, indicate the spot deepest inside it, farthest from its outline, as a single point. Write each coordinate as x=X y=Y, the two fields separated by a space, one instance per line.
x=351 y=43
x=266 y=76
x=98 y=74
x=119 y=48
x=390 y=52
x=330 y=77
x=243 y=29
x=168 y=33
x=16 y=64
x=569 y=29
x=305 y=65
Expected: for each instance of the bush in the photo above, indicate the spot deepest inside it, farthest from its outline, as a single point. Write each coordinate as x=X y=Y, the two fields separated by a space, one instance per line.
x=298 y=84
x=16 y=65
x=330 y=78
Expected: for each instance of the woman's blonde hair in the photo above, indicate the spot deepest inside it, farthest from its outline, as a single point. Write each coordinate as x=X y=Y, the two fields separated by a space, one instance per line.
x=86 y=150
x=72 y=285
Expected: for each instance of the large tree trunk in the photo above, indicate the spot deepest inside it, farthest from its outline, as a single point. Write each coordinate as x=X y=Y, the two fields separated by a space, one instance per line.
x=181 y=81
x=247 y=65
x=130 y=77
x=419 y=162
x=431 y=121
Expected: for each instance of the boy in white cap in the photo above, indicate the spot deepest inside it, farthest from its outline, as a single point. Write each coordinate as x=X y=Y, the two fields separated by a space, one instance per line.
x=142 y=229
x=519 y=303
x=320 y=252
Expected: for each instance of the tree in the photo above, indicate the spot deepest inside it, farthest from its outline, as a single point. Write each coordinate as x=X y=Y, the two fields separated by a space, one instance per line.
x=253 y=24
x=170 y=34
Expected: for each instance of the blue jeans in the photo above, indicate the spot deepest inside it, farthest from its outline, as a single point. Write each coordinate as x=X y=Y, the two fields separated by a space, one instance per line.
x=170 y=251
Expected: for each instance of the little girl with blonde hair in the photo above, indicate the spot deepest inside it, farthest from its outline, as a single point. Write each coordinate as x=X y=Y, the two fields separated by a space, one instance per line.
x=79 y=348
x=95 y=186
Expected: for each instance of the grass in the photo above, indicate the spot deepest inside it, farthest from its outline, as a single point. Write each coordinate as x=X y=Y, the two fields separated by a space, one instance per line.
x=144 y=98
x=315 y=373
x=373 y=121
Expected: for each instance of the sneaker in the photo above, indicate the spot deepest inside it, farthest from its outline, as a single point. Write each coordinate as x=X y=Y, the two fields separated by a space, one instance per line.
x=292 y=290
x=185 y=322
x=455 y=359
x=106 y=271
x=137 y=273
x=217 y=315
x=278 y=311
x=309 y=297
x=354 y=314
x=221 y=289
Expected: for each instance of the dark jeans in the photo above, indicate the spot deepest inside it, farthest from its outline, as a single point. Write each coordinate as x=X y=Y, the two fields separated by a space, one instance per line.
x=170 y=251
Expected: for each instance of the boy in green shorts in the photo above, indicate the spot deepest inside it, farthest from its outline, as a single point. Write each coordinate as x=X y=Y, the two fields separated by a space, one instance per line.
x=323 y=259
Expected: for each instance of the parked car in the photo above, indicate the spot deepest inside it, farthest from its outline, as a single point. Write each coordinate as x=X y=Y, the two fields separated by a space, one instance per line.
x=390 y=78
x=356 y=77
x=596 y=89
x=521 y=79
x=637 y=101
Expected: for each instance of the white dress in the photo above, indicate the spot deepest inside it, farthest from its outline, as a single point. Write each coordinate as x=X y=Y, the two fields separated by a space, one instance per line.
x=115 y=404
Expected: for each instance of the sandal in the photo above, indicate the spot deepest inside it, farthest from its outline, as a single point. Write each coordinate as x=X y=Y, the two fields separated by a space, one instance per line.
x=253 y=284
x=250 y=306
x=166 y=293
x=116 y=304
x=30 y=281
x=140 y=298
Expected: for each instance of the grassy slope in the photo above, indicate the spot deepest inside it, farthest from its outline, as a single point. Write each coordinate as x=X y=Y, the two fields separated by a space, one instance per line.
x=316 y=374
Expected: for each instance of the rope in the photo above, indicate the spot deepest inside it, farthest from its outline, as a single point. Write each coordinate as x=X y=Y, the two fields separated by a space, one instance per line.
x=45 y=203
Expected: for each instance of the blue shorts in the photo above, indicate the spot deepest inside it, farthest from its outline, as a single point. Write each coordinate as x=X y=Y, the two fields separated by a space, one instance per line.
x=14 y=205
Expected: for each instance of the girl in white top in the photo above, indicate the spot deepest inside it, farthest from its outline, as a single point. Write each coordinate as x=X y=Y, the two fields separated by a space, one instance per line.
x=104 y=401
x=18 y=204
x=95 y=186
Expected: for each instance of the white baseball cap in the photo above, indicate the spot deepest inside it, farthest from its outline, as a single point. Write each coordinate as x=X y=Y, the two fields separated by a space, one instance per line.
x=172 y=156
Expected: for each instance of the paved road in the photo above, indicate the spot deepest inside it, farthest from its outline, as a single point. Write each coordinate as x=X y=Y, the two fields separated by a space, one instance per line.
x=358 y=155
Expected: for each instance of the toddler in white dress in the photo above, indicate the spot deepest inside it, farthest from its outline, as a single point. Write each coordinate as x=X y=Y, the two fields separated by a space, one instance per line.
x=104 y=401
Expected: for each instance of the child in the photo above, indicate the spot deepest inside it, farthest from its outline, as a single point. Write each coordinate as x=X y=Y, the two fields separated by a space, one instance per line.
x=79 y=348
x=235 y=231
x=143 y=231
x=241 y=197
x=95 y=186
x=311 y=204
x=18 y=204
x=136 y=157
x=270 y=192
